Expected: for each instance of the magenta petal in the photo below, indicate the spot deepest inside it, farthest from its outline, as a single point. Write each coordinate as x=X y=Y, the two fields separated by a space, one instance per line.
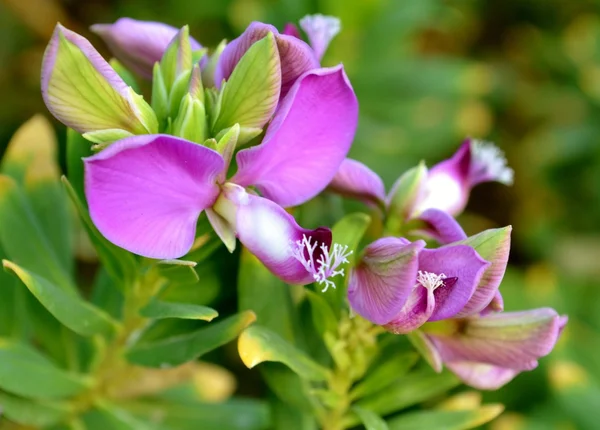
x=496 y=305
x=442 y=227
x=270 y=233
x=296 y=56
x=306 y=142
x=457 y=261
x=514 y=340
x=291 y=30
x=354 y=179
x=145 y=193
x=138 y=44
x=416 y=311
x=482 y=376
x=381 y=282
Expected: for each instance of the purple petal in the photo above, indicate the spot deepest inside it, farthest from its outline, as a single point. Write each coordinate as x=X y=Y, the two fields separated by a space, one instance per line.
x=488 y=164
x=354 y=179
x=514 y=340
x=270 y=233
x=496 y=305
x=145 y=193
x=442 y=227
x=381 y=282
x=457 y=261
x=138 y=44
x=296 y=56
x=482 y=376
x=416 y=311
x=320 y=30
x=494 y=246
x=291 y=30
x=306 y=142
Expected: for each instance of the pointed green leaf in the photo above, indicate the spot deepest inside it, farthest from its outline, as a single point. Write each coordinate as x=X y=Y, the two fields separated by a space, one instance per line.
x=407 y=391
x=103 y=137
x=258 y=344
x=25 y=372
x=347 y=231
x=33 y=413
x=125 y=74
x=120 y=264
x=208 y=73
x=404 y=195
x=384 y=375
x=158 y=310
x=426 y=349
x=108 y=416
x=177 y=350
x=191 y=121
x=252 y=91
x=23 y=238
x=160 y=96
x=180 y=272
x=370 y=419
x=446 y=420
x=322 y=315
x=177 y=58
x=77 y=148
x=78 y=315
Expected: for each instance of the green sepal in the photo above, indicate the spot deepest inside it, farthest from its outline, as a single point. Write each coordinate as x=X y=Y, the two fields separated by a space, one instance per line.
x=252 y=92
x=403 y=197
x=190 y=123
x=177 y=58
x=78 y=315
x=101 y=137
x=125 y=74
x=208 y=73
x=198 y=55
x=178 y=91
x=160 y=96
x=196 y=87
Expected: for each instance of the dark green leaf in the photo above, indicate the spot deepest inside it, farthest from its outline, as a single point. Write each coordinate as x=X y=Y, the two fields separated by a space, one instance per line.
x=371 y=420
x=178 y=271
x=32 y=413
x=385 y=375
x=446 y=420
x=158 y=310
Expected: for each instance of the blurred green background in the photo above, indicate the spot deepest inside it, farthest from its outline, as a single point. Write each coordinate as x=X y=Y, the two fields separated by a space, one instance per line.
x=428 y=73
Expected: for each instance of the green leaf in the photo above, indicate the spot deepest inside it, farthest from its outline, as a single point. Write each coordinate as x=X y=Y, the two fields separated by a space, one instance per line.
x=179 y=272
x=107 y=416
x=190 y=123
x=125 y=74
x=77 y=148
x=384 y=375
x=409 y=390
x=160 y=96
x=404 y=195
x=234 y=414
x=78 y=315
x=371 y=420
x=258 y=344
x=177 y=58
x=102 y=137
x=32 y=413
x=252 y=91
x=25 y=372
x=322 y=315
x=180 y=349
x=23 y=239
x=347 y=231
x=427 y=350
x=266 y=295
x=158 y=310
x=446 y=420
x=208 y=73
x=120 y=264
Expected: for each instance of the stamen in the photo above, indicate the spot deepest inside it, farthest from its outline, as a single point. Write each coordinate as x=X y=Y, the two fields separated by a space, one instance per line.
x=429 y=280
x=489 y=163
x=326 y=265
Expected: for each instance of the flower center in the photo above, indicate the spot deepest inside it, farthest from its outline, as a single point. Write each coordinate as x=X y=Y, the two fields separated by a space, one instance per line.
x=323 y=263
x=429 y=280
x=489 y=163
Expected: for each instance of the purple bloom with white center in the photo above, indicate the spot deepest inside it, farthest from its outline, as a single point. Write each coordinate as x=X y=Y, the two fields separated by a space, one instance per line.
x=139 y=44
x=145 y=193
x=437 y=194
x=488 y=351
x=401 y=285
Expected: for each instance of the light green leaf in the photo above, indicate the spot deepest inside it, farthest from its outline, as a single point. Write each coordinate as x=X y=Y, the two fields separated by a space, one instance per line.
x=424 y=347
x=407 y=391
x=322 y=315
x=32 y=413
x=384 y=375
x=158 y=310
x=120 y=264
x=180 y=349
x=446 y=420
x=180 y=272
x=252 y=91
x=160 y=96
x=177 y=58
x=208 y=72
x=404 y=194
x=23 y=239
x=102 y=137
x=191 y=121
x=258 y=344
x=108 y=416
x=347 y=231
x=25 y=372
x=370 y=419
x=78 y=315
x=125 y=74
x=77 y=148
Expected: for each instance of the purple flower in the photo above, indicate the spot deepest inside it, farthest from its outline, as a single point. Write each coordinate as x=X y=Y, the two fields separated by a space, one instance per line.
x=145 y=193
x=320 y=29
x=434 y=195
x=401 y=285
x=139 y=44
x=488 y=351
x=296 y=56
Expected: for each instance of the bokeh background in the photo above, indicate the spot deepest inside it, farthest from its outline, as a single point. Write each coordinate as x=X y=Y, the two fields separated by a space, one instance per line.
x=428 y=73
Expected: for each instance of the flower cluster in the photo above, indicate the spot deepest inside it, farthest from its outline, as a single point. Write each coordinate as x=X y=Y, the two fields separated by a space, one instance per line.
x=259 y=126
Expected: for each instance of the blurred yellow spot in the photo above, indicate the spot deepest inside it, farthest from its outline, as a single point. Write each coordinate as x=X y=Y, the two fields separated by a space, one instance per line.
x=474 y=118
x=429 y=112
x=213 y=383
x=243 y=12
x=579 y=38
x=589 y=81
x=540 y=281
x=564 y=375
x=35 y=138
x=509 y=421
x=477 y=80
x=462 y=402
